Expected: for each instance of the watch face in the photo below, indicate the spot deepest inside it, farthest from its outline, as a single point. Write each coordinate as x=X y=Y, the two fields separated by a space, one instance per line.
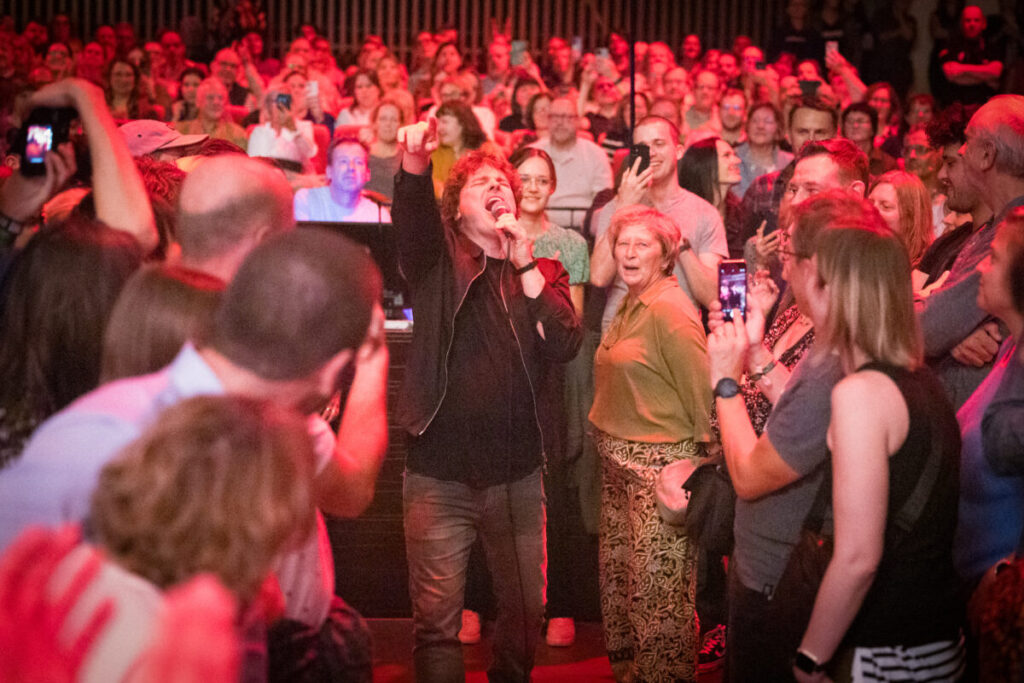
x=726 y=388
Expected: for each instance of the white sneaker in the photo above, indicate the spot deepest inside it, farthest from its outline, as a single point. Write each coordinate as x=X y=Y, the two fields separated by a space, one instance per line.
x=469 y=634
x=561 y=632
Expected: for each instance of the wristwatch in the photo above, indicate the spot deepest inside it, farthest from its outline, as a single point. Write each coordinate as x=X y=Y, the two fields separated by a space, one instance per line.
x=806 y=662
x=726 y=388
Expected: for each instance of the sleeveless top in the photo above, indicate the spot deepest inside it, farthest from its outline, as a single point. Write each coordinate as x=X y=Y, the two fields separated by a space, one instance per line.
x=913 y=598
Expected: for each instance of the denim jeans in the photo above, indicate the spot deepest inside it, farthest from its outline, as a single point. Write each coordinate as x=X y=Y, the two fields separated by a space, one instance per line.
x=442 y=519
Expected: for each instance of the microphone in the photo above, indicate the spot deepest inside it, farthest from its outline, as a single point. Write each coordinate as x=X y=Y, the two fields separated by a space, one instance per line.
x=497 y=207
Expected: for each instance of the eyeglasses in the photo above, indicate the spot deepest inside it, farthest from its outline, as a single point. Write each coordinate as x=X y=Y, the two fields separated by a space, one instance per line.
x=561 y=117
x=538 y=180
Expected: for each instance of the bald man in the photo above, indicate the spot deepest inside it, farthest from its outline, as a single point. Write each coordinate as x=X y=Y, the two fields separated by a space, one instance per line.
x=970 y=64
x=228 y=205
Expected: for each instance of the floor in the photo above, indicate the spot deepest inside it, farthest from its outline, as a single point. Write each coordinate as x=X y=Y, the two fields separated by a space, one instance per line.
x=585 y=660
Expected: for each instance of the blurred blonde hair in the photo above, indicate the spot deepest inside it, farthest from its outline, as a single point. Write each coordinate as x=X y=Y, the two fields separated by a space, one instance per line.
x=216 y=484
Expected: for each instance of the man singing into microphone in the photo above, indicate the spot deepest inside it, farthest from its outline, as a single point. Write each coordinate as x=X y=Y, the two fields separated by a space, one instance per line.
x=488 y=318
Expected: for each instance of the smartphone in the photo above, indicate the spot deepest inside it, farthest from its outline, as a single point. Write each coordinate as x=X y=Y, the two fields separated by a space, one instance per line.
x=45 y=129
x=577 y=48
x=761 y=65
x=809 y=88
x=518 y=54
x=602 y=53
x=732 y=287
x=284 y=100
x=642 y=152
x=313 y=89
x=831 y=46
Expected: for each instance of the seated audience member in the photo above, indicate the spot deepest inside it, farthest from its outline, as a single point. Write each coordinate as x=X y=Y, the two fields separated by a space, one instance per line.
x=905 y=206
x=213 y=119
x=581 y=165
x=159 y=308
x=158 y=140
x=282 y=135
x=302 y=309
x=957 y=334
x=732 y=113
x=703 y=235
x=924 y=161
x=125 y=95
x=366 y=94
x=57 y=298
x=459 y=133
x=886 y=607
x=710 y=169
x=193 y=639
x=384 y=160
x=185 y=107
x=524 y=89
x=240 y=99
x=760 y=153
x=704 y=112
x=991 y=494
x=227 y=206
x=859 y=126
x=342 y=200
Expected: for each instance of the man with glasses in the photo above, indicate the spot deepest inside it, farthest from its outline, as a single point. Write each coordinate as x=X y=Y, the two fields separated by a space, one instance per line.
x=732 y=112
x=581 y=166
x=225 y=66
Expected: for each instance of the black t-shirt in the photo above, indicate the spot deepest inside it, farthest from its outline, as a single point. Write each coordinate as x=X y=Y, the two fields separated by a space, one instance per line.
x=485 y=432
x=965 y=51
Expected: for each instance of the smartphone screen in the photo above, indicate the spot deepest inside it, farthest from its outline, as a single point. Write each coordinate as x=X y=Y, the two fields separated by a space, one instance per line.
x=284 y=100
x=602 y=53
x=809 y=88
x=38 y=141
x=831 y=46
x=732 y=286
x=642 y=152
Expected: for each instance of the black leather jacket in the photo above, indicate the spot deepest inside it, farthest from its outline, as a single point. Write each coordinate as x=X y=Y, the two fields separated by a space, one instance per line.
x=440 y=265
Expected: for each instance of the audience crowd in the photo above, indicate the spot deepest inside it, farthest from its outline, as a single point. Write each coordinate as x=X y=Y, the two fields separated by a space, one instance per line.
x=195 y=365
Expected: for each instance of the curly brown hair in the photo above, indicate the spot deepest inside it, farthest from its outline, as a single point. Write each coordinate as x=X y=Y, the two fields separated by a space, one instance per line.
x=216 y=484
x=464 y=168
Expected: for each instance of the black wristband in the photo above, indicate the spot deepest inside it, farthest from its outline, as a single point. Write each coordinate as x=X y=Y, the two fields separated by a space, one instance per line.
x=527 y=268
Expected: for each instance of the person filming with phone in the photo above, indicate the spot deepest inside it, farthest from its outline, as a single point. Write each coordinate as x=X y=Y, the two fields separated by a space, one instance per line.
x=281 y=136
x=656 y=184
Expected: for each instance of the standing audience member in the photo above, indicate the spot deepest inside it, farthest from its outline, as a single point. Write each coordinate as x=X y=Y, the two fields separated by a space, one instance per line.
x=925 y=161
x=777 y=474
x=302 y=308
x=581 y=164
x=991 y=497
x=760 y=153
x=384 y=159
x=732 y=112
x=885 y=608
x=475 y=454
x=459 y=133
x=703 y=242
x=971 y=66
x=648 y=567
x=710 y=169
x=905 y=206
x=703 y=113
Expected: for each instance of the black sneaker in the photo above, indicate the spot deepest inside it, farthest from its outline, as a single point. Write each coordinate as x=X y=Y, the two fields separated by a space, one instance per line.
x=712 y=650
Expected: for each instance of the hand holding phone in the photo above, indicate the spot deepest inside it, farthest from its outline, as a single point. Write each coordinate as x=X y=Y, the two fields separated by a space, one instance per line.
x=732 y=287
x=45 y=129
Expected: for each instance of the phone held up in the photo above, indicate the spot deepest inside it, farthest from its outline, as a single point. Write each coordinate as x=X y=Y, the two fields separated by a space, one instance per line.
x=284 y=100
x=642 y=152
x=45 y=129
x=732 y=287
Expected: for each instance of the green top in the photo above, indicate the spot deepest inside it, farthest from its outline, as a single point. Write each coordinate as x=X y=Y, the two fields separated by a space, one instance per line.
x=651 y=377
